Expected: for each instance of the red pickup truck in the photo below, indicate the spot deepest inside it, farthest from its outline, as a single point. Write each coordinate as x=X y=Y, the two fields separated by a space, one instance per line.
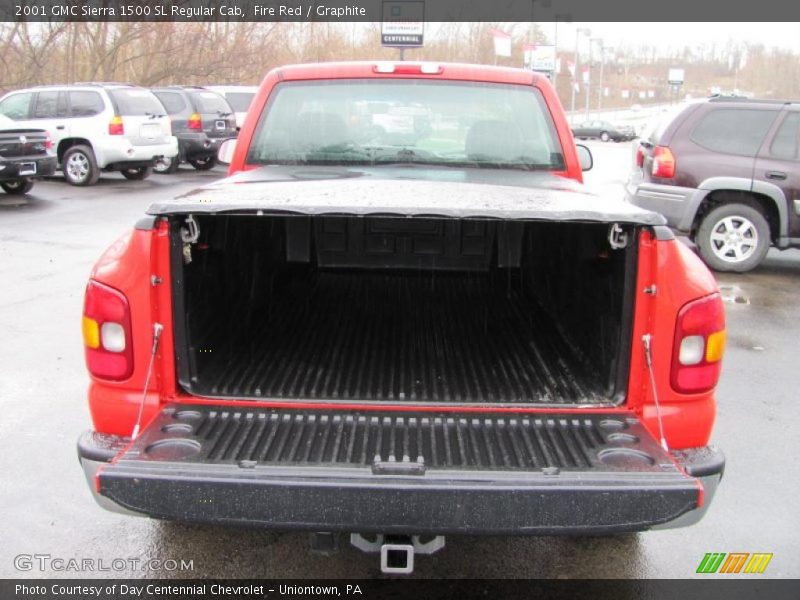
x=403 y=332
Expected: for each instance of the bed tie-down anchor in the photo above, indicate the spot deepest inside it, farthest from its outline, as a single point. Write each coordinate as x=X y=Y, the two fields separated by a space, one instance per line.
x=189 y=235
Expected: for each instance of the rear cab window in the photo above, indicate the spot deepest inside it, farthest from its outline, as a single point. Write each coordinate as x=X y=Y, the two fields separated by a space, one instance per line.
x=455 y=123
x=135 y=103
x=733 y=130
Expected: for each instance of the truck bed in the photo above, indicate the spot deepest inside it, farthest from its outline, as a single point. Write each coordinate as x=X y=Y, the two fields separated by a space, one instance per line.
x=400 y=337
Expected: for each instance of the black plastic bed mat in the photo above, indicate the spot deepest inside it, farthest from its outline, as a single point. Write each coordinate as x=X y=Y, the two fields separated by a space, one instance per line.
x=400 y=442
x=396 y=337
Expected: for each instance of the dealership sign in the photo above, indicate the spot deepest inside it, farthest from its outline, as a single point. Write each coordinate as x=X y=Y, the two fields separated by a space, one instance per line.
x=675 y=76
x=403 y=23
x=539 y=58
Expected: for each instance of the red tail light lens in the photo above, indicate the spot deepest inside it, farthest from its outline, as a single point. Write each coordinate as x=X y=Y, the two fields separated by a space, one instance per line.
x=115 y=126
x=640 y=156
x=699 y=345
x=107 y=332
x=48 y=142
x=195 y=122
x=663 y=163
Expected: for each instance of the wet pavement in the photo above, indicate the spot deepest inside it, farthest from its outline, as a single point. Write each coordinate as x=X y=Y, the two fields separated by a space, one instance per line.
x=47 y=248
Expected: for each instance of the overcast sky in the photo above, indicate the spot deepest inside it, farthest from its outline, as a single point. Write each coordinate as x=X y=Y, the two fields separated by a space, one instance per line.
x=679 y=35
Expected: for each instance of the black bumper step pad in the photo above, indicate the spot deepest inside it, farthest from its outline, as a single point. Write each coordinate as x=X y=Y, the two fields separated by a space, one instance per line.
x=399 y=337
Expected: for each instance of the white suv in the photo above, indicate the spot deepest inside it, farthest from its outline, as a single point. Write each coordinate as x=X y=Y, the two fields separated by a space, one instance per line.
x=97 y=127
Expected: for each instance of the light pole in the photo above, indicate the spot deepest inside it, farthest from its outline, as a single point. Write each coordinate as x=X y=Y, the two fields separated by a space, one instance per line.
x=565 y=19
x=601 y=90
x=578 y=32
x=589 y=78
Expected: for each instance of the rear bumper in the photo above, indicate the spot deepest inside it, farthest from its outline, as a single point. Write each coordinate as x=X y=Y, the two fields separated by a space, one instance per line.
x=319 y=497
x=119 y=152
x=678 y=204
x=199 y=145
x=10 y=168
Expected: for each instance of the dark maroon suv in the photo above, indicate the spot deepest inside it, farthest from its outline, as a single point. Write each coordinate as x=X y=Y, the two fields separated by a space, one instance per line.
x=725 y=171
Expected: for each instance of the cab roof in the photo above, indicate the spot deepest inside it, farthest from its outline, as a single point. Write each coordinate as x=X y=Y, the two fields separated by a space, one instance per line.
x=382 y=69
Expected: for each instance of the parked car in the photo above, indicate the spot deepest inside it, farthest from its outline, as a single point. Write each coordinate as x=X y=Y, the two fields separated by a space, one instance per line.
x=408 y=339
x=201 y=120
x=604 y=131
x=96 y=127
x=725 y=171
x=25 y=155
x=238 y=96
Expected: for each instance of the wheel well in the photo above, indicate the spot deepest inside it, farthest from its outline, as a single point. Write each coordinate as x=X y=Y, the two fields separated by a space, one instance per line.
x=763 y=204
x=68 y=143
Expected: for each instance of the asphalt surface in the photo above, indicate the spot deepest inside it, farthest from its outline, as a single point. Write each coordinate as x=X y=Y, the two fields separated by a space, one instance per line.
x=47 y=248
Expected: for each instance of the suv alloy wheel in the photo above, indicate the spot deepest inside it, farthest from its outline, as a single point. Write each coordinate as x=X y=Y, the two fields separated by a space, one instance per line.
x=733 y=237
x=80 y=167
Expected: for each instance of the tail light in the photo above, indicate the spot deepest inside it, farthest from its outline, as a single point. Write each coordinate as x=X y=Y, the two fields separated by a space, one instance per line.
x=640 y=156
x=408 y=68
x=663 y=163
x=195 y=122
x=48 y=142
x=115 y=126
x=107 y=332
x=699 y=345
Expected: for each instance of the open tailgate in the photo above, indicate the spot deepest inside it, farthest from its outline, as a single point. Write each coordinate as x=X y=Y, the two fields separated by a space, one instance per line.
x=404 y=472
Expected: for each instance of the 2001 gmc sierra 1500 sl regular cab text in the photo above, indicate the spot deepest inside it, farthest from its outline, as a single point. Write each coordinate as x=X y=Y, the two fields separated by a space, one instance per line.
x=404 y=332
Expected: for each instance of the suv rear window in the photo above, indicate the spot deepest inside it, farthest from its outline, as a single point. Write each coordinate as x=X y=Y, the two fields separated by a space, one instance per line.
x=172 y=101
x=240 y=101
x=136 y=103
x=733 y=130
x=210 y=103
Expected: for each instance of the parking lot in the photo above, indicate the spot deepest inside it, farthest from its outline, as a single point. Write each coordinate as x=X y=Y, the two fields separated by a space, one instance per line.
x=47 y=248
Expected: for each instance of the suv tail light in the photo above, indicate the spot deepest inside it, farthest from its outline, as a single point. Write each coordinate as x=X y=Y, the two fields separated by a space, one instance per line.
x=115 y=126
x=699 y=345
x=48 y=141
x=663 y=163
x=195 y=122
x=640 y=156
x=107 y=332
